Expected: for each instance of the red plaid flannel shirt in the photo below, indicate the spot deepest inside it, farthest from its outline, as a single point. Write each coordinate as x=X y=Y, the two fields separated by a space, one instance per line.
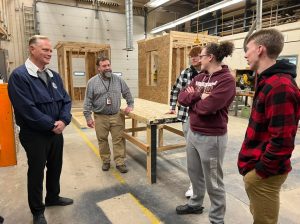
x=270 y=136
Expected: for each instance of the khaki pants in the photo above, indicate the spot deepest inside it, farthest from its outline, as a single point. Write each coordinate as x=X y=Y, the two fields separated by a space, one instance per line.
x=115 y=125
x=264 y=196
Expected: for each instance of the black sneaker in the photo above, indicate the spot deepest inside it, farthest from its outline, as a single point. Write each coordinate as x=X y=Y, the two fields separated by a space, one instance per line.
x=105 y=166
x=122 y=168
x=39 y=219
x=186 y=209
x=60 y=202
x=1 y=219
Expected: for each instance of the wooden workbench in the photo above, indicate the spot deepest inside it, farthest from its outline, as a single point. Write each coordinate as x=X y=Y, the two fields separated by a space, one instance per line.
x=154 y=116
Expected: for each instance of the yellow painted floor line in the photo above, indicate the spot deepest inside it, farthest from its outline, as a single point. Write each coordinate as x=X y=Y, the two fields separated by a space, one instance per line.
x=116 y=174
x=87 y=141
x=153 y=219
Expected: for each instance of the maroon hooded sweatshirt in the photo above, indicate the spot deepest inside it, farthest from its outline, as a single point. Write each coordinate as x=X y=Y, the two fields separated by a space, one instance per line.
x=210 y=115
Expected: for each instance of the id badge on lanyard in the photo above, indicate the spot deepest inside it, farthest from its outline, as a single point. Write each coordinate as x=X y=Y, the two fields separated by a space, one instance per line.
x=108 y=100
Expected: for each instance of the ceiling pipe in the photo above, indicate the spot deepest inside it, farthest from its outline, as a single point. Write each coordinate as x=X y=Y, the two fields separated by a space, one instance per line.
x=258 y=15
x=249 y=34
x=145 y=21
x=257 y=23
x=129 y=24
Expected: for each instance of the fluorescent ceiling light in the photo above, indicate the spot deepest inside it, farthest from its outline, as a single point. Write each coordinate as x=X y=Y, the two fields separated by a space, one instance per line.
x=156 y=3
x=196 y=14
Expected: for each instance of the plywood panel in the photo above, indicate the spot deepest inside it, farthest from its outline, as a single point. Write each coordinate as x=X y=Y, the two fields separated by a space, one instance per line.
x=156 y=92
x=144 y=111
x=172 y=51
x=175 y=67
x=90 y=63
x=79 y=93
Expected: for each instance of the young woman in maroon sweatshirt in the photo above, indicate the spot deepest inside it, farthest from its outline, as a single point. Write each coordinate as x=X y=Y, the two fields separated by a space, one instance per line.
x=208 y=98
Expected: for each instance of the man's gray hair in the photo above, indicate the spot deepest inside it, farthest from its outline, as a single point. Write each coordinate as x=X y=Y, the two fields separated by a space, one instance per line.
x=35 y=38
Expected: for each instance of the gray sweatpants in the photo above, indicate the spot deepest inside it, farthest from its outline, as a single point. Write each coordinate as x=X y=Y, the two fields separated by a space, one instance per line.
x=186 y=128
x=205 y=156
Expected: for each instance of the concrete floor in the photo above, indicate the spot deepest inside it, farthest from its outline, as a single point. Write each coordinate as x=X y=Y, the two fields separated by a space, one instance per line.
x=109 y=197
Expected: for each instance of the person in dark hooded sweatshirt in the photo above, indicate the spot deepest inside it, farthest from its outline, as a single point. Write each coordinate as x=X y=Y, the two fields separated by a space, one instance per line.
x=264 y=159
x=208 y=97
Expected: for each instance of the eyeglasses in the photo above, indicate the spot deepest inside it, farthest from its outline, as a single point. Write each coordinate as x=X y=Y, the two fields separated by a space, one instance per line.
x=194 y=57
x=200 y=56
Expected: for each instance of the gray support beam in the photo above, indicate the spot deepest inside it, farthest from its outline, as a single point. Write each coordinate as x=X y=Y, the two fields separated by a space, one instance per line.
x=129 y=24
x=258 y=15
x=247 y=15
x=218 y=22
x=145 y=21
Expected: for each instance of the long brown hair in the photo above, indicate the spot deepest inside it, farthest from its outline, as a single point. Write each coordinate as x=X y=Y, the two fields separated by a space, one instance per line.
x=221 y=50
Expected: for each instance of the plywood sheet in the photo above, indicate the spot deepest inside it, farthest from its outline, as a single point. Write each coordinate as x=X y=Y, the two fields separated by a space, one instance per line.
x=78 y=118
x=124 y=209
x=150 y=112
x=145 y=111
x=172 y=52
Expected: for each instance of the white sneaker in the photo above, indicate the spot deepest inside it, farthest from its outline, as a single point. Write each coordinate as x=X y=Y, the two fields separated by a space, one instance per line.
x=189 y=192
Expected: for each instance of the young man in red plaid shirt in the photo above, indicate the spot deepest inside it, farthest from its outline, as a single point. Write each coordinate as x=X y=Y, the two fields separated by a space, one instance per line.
x=264 y=159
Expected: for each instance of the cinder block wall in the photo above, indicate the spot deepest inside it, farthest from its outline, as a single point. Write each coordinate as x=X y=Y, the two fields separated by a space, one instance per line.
x=65 y=23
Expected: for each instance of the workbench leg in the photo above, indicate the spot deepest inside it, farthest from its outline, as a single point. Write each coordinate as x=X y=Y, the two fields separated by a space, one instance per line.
x=134 y=125
x=246 y=101
x=160 y=136
x=236 y=108
x=152 y=153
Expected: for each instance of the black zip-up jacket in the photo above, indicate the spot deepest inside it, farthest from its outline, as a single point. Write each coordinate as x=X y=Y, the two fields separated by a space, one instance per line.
x=36 y=105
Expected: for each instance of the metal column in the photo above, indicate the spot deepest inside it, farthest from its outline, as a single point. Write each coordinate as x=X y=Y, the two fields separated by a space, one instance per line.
x=258 y=15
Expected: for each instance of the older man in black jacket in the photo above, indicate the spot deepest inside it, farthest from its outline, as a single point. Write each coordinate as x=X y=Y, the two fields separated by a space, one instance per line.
x=42 y=110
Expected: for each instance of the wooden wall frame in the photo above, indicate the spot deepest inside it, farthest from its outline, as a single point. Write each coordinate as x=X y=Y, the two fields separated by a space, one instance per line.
x=172 y=50
x=90 y=52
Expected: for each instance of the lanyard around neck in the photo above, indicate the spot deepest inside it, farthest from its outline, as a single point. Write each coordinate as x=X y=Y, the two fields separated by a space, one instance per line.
x=107 y=89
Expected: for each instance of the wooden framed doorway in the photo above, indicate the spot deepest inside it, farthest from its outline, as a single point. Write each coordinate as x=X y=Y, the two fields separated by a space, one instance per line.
x=74 y=76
